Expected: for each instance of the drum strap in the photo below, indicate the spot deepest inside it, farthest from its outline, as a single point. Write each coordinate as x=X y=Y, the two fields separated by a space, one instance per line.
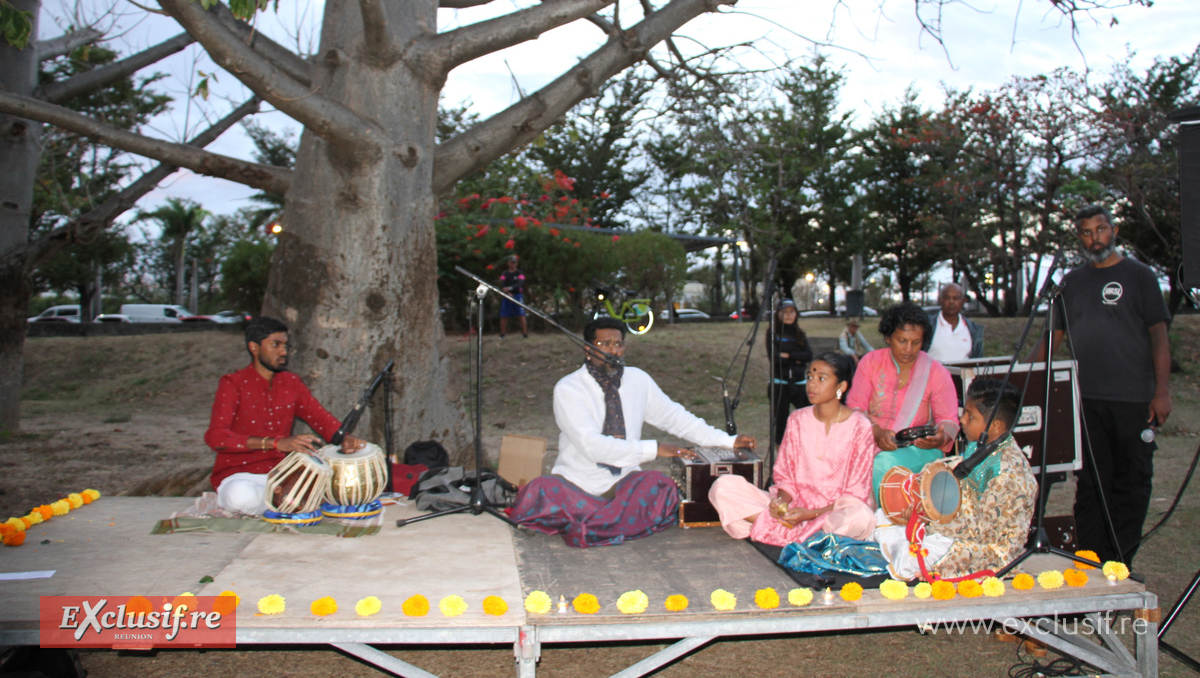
x=915 y=530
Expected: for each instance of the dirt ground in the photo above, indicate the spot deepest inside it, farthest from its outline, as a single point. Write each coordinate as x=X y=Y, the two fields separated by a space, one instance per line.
x=126 y=415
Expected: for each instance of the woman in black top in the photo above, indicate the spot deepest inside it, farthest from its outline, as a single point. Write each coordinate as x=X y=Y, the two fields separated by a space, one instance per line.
x=790 y=355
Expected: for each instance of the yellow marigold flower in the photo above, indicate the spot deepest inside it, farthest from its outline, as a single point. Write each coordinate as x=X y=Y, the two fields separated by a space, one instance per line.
x=61 y=507
x=34 y=518
x=993 y=587
x=415 y=606
x=586 y=603
x=767 y=599
x=1023 y=582
x=970 y=589
x=92 y=494
x=226 y=602
x=272 y=604
x=16 y=523
x=75 y=499
x=923 y=590
x=1050 y=579
x=723 y=600
x=26 y=521
x=1090 y=555
x=632 y=602
x=537 y=602
x=367 y=606
x=452 y=606
x=495 y=606
x=323 y=606
x=800 y=596
x=46 y=511
x=1115 y=569
x=1075 y=577
x=893 y=589
x=943 y=590
x=851 y=592
x=676 y=603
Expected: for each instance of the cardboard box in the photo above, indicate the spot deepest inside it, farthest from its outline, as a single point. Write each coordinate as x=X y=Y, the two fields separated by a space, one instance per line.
x=521 y=458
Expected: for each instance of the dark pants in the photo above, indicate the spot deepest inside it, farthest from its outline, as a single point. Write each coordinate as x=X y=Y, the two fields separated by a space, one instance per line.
x=786 y=398
x=1125 y=466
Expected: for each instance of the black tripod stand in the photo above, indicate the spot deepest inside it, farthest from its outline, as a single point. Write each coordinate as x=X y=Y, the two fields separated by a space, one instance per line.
x=479 y=502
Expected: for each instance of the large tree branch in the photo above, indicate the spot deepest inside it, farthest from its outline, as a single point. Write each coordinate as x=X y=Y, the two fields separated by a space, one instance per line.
x=445 y=51
x=58 y=92
x=281 y=57
x=265 y=177
x=523 y=121
x=462 y=4
x=64 y=44
x=101 y=216
x=326 y=118
x=375 y=30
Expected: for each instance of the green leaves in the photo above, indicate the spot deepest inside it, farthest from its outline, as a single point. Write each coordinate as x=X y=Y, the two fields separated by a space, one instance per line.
x=16 y=25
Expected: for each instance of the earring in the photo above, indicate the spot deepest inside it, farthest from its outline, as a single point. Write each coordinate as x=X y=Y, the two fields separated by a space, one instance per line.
x=839 y=394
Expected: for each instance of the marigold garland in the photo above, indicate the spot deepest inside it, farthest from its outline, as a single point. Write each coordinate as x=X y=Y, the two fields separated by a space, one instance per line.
x=537 y=602
x=943 y=590
x=226 y=602
x=272 y=604
x=452 y=606
x=1023 y=582
x=46 y=512
x=323 y=606
x=800 y=596
x=970 y=589
x=767 y=599
x=415 y=606
x=851 y=592
x=676 y=603
x=368 y=606
x=60 y=507
x=16 y=524
x=993 y=587
x=92 y=494
x=1115 y=569
x=586 y=603
x=893 y=589
x=1050 y=579
x=1090 y=555
x=495 y=606
x=923 y=590
x=633 y=602
x=75 y=499
x=26 y=521
x=34 y=518
x=1075 y=577
x=14 y=538
x=723 y=600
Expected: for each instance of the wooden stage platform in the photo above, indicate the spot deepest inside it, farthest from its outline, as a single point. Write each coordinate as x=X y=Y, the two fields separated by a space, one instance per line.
x=106 y=549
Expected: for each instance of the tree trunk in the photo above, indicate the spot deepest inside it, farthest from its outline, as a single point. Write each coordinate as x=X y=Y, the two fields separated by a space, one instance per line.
x=365 y=292
x=20 y=148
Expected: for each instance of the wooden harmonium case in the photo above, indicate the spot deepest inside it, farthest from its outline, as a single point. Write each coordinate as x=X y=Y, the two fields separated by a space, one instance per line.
x=695 y=476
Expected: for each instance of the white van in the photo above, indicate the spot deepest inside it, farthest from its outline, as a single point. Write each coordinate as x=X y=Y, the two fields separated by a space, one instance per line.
x=62 y=313
x=154 y=313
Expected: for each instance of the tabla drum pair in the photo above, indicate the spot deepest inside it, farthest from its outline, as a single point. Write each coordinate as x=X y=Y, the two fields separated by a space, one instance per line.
x=302 y=482
x=934 y=492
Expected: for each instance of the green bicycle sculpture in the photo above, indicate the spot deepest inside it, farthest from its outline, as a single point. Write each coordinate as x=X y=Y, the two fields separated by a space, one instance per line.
x=635 y=313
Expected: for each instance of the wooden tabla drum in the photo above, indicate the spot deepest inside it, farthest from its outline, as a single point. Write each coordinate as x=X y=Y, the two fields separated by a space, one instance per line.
x=934 y=492
x=358 y=478
x=298 y=484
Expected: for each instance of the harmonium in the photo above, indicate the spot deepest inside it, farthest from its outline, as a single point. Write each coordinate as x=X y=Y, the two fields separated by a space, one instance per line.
x=695 y=476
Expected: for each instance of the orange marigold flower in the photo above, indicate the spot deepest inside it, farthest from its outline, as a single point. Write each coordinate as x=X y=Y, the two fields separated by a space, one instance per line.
x=139 y=605
x=323 y=606
x=46 y=511
x=1024 y=582
x=943 y=590
x=495 y=606
x=14 y=538
x=16 y=524
x=416 y=606
x=1075 y=577
x=186 y=600
x=1090 y=555
x=586 y=603
x=226 y=602
x=26 y=522
x=6 y=529
x=970 y=589
x=851 y=592
x=676 y=603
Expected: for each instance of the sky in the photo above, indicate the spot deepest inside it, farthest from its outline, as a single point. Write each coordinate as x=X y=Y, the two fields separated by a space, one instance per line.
x=878 y=42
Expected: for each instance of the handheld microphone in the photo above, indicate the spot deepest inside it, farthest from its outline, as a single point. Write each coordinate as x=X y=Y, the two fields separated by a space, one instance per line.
x=982 y=452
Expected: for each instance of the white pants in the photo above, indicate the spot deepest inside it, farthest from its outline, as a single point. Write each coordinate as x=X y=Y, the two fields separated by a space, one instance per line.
x=244 y=493
x=902 y=564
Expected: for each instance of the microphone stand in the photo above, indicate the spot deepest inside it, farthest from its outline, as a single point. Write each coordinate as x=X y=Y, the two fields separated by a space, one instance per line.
x=731 y=404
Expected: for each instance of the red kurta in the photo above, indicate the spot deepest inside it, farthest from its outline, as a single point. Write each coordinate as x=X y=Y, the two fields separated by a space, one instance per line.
x=247 y=405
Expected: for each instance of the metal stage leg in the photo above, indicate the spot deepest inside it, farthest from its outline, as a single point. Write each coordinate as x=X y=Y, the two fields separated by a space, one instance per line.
x=528 y=652
x=383 y=660
x=1109 y=655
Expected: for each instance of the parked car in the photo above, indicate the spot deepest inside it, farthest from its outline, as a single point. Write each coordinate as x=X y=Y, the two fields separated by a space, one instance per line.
x=224 y=317
x=64 y=313
x=111 y=318
x=815 y=314
x=741 y=314
x=685 y=315
x=154 y=313
x=867 y=311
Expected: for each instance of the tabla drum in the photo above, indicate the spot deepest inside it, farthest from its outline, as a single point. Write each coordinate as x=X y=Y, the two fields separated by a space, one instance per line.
x=298 y=484
x=358 y=478
x=934 y=492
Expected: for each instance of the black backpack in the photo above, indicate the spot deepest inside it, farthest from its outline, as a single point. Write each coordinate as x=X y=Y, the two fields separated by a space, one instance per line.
x=447 y=488
x=427 y=453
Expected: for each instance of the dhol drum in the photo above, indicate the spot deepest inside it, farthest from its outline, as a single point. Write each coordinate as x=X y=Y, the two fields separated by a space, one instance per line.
x=298 y=484
x=934 y=492
x=358 y=478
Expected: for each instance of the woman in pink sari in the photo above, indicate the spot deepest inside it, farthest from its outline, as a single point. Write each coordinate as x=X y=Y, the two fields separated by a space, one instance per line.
x=822 y=476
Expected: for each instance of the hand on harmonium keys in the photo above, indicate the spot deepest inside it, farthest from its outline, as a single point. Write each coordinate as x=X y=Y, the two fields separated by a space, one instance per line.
x=744 y=441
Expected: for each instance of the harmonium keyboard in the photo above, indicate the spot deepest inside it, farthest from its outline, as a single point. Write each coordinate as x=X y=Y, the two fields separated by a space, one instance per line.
x=695 y=476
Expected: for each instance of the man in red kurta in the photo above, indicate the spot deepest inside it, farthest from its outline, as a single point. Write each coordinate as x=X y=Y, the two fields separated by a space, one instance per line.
x=252 y=419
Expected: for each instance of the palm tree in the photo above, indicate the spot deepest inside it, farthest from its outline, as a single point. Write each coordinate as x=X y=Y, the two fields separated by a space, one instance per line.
x=178 y=218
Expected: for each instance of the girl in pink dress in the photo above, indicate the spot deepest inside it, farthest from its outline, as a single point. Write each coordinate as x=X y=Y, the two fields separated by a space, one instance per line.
x=823 y=473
